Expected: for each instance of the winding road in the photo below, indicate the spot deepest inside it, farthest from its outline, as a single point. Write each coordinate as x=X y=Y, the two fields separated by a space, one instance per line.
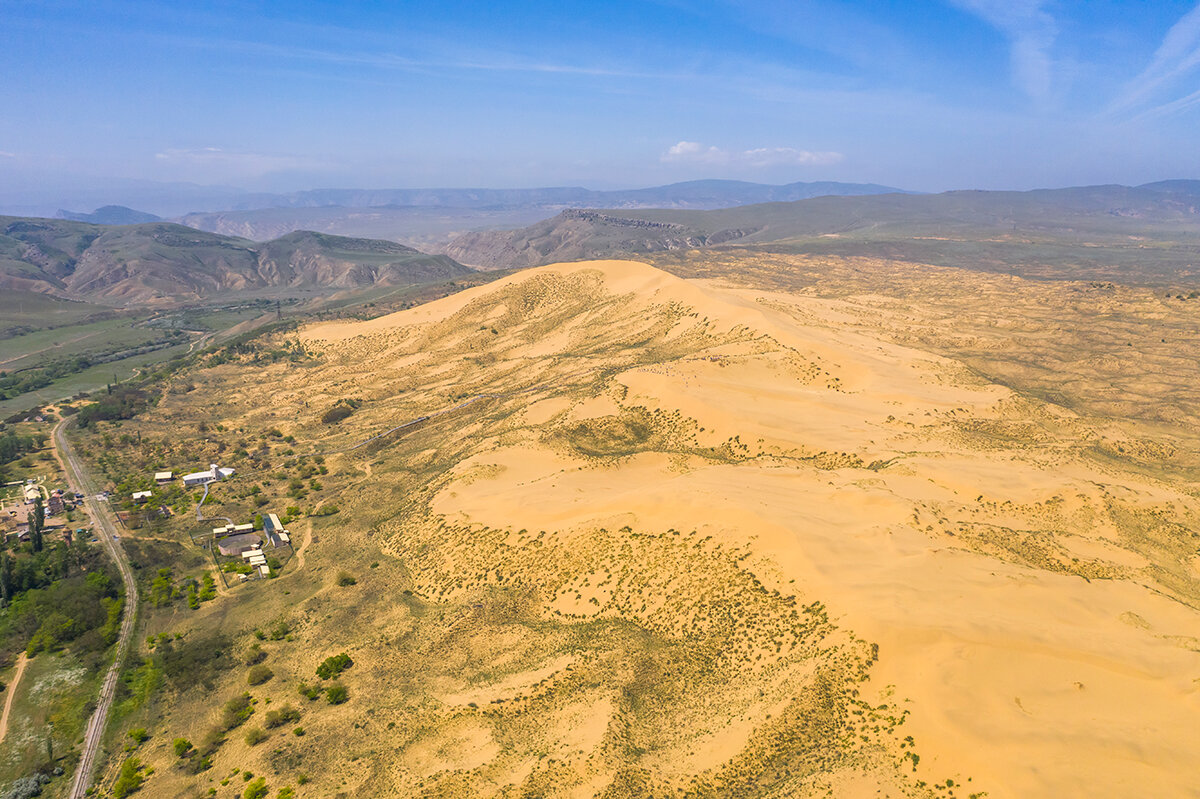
x=81 y=480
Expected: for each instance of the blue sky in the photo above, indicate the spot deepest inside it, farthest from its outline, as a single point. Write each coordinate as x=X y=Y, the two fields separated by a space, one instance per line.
x=927 y=95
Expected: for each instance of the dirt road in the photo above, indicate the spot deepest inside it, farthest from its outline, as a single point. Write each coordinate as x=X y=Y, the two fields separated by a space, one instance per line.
x=12 y=691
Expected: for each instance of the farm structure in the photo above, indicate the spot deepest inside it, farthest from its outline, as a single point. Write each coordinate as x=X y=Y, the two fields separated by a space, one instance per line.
x=213 y=474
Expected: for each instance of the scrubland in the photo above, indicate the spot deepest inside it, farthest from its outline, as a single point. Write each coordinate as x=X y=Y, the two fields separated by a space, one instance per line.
x=788 y=527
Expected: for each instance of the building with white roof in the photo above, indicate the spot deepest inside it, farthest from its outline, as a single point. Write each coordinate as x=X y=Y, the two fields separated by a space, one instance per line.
x=213 y=474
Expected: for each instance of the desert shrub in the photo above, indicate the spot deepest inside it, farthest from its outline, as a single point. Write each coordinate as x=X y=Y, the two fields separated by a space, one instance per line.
x=279 y=630
x=256 y=789
x=333 y=666
x=196 y=660
x=337 y=694
x=27 y=787
x=236 y=711
x=254 y=655
x=139 y=735
x=259 y=674
x=255 y=736
x=284 y=715
x=308 y=691
x=345 y=578
x=182 y=746
x=129 y=779
x=197 y=763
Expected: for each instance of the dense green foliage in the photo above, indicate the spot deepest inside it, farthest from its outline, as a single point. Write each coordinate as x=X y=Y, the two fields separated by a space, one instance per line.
x=58 y=596
x=123 y=402
x=13 y=446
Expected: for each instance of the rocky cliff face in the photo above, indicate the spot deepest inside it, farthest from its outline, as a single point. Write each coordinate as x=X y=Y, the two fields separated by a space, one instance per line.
x=578 y=234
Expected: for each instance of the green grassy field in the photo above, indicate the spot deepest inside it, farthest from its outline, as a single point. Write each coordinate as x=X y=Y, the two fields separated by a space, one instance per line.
x=22 y=352
x=26 y=311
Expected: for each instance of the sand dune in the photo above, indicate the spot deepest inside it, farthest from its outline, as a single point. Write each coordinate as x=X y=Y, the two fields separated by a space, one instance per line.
x=1033 y=600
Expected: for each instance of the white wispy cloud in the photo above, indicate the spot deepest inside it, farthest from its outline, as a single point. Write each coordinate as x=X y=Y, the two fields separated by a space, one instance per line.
x=6 y=154
x=759 y=157
x=490 y=61
x=1031 y=30
x=229 y=162
x=1176 y=56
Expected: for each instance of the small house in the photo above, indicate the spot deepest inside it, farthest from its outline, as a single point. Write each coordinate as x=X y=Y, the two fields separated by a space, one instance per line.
x=213 y=474
x=162 y=478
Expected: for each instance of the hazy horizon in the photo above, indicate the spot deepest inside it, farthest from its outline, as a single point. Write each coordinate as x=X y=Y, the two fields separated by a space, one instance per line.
x=930 y=96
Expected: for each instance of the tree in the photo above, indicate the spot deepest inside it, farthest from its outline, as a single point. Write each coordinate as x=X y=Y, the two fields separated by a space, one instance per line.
x=37 y=519
x=6 y=577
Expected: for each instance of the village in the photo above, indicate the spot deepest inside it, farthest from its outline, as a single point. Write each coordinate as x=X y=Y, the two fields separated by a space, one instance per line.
x=250 y=549
x=58 y=508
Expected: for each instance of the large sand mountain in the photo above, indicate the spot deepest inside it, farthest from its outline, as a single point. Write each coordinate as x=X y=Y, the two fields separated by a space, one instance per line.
x=686 y=539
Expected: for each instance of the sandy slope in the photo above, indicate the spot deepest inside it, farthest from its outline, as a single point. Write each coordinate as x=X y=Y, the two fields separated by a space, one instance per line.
x=963 y=528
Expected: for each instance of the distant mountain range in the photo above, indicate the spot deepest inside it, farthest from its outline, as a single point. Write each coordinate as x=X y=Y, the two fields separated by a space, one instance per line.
x=1148 y=233
x=430 y=217
x=690 y=194
x=163 y=262
x=1151 y=231
x=110 y=215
